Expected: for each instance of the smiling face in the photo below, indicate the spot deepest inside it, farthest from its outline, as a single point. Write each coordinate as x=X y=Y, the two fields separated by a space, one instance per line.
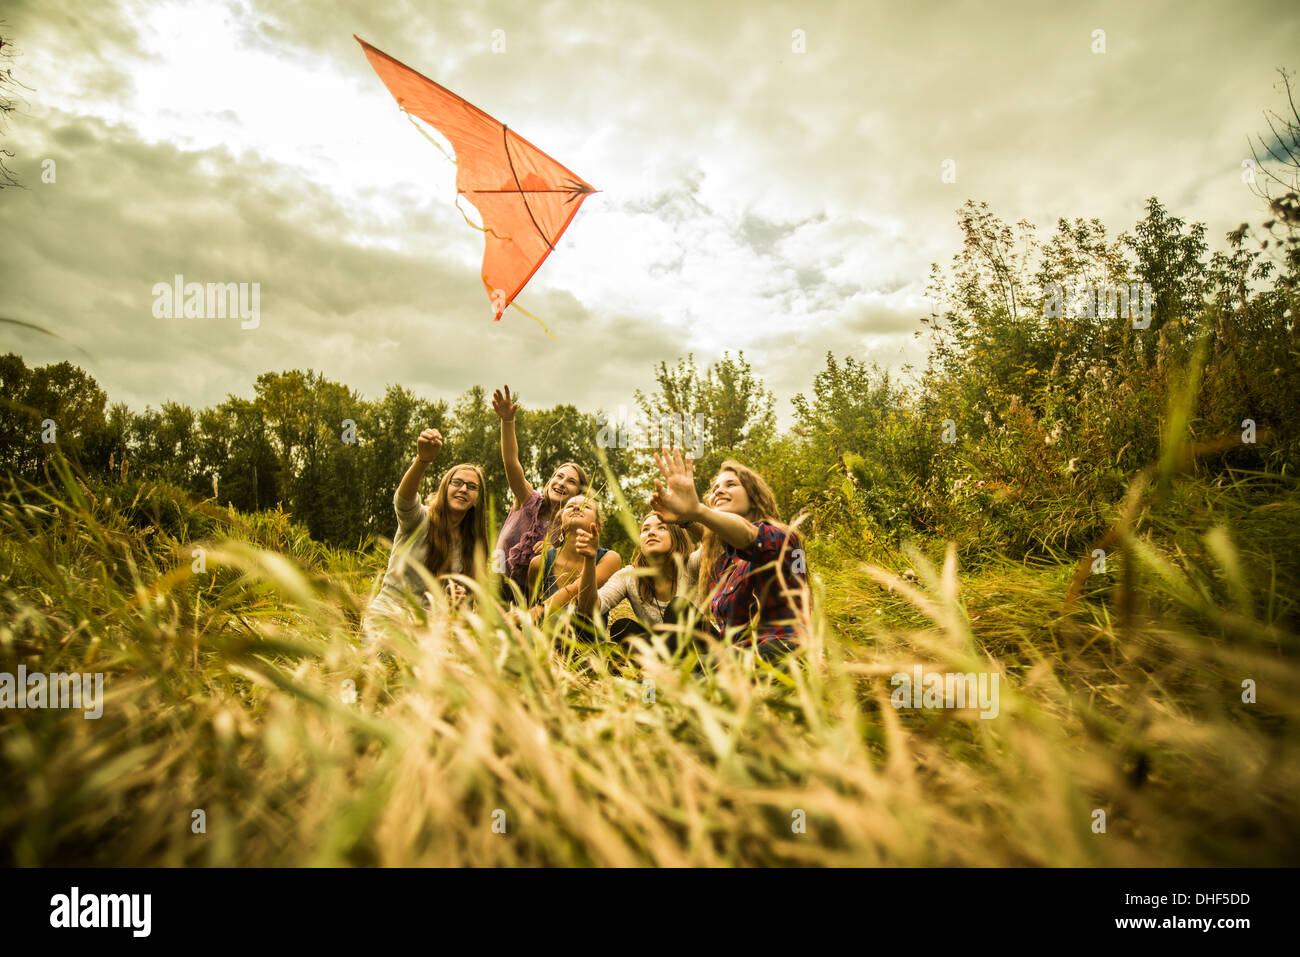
x=461 y=499
x=580 y=511
x=564 y=484
x=655 y=537
x=728 y=495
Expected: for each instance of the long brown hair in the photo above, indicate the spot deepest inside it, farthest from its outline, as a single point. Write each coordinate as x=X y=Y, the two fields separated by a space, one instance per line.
x=681 y=545
x=762 y=508
x=472 y=526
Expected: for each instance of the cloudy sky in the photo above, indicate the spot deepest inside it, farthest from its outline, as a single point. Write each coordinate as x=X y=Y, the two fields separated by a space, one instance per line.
x=770 y=175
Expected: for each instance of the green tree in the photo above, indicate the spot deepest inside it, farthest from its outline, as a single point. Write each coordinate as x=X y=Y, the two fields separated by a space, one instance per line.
x=727 y=405
x=19 y=422
x=66 y=395
x=862 y=449
x=387 y=431
x=305 y=415
x=1170 y=260
x=235 y=449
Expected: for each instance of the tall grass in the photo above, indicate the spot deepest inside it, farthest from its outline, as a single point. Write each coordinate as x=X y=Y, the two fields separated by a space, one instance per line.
x=488 y=741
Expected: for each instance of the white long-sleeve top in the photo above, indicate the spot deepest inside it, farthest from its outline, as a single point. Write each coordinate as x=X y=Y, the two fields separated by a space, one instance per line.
x=623 y=585
x=410 y=552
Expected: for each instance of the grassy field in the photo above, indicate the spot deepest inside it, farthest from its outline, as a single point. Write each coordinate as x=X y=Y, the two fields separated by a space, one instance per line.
x=227 y=692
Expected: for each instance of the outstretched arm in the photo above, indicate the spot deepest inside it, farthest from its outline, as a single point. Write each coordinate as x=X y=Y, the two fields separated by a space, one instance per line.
x=506 y=408
x=675 y=500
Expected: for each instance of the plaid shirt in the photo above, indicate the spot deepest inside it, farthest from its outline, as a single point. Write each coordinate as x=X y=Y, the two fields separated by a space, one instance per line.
x=748 y=582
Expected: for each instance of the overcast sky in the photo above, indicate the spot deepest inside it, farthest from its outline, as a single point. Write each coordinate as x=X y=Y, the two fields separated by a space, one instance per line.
x=752 y=196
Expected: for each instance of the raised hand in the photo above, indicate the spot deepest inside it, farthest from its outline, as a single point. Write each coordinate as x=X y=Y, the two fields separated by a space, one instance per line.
x=503 y=405
x=428 y=445
x=675 y=499
x=587 y=540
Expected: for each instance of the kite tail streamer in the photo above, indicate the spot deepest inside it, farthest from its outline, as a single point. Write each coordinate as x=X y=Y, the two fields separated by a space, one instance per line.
x=452 y=161
x=534 y=318
x=464 y=215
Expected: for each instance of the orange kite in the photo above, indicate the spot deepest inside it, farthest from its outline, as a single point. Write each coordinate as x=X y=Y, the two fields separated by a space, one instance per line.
x=526 y=199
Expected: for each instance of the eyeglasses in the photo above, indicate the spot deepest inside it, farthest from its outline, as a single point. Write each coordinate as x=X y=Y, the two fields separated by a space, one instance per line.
x=458 y=483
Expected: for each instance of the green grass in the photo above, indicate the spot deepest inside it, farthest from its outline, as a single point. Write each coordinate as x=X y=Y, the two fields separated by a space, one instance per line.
x=224 y=693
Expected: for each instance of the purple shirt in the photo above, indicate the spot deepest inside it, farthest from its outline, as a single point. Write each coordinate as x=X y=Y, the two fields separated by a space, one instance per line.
x=522 y=530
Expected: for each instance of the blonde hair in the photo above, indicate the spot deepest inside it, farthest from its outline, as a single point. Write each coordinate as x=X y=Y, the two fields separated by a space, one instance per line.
x=554 y=536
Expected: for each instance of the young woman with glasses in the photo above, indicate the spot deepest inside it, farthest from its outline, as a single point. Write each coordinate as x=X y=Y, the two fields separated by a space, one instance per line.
x=445 y=536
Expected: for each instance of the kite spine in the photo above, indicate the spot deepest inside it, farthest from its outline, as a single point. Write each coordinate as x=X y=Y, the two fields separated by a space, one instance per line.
x=505 y=138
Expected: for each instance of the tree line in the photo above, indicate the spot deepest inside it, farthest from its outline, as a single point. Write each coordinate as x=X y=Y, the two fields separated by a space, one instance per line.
x=330 y=457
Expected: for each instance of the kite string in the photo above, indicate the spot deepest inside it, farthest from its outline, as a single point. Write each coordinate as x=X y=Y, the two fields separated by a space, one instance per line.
x=532 y=317
x=452 y=161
